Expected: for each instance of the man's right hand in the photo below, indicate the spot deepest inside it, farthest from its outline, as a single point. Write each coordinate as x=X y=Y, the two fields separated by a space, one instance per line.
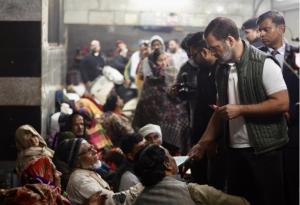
x=200 y=153
x=173 y=91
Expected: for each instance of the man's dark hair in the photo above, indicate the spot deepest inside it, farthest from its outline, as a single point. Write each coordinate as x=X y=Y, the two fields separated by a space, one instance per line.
x=183 y=44
x=149 y=164
x=276 y=17
x=221 y=28
x=129 y=141
x=110 y=104
x=197 y=40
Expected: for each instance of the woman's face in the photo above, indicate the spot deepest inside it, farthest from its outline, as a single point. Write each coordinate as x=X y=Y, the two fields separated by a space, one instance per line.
x=34 y=140
x=146 y=50
x=161 y=60
x=56 y=175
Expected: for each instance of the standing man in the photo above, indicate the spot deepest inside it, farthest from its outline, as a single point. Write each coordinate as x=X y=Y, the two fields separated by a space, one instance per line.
x=252 y=100
x=92 y=64
x=272 y=27
x=212 y=168
x=189 y=67
x=178 y=54
x=121 y=59
x=251 y=33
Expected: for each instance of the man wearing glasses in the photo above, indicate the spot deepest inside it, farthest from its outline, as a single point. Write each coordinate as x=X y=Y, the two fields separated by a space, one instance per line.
x=81 y=157
x=212 y=168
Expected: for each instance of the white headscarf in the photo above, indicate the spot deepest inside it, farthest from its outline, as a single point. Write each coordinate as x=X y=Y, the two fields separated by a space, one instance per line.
x=150 y=128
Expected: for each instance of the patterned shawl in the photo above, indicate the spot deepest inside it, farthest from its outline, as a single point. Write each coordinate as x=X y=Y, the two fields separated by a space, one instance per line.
x=40 y=171
x=156 y=107
x=37 y=194
x=97 y=135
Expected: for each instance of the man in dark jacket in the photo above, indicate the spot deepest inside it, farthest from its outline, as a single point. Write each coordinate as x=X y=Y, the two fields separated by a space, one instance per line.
x=272 y=27
x=92 y=64
x=251 y=102
x=121 y=59
x=251 y=33
x=210 y=171
x=125 y=177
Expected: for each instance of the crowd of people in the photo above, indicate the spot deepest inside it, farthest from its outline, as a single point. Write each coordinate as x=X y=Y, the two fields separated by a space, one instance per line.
x=230 y=104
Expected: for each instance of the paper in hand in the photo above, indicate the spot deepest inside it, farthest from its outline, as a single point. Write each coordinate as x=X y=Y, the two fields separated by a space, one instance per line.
x=214 y=106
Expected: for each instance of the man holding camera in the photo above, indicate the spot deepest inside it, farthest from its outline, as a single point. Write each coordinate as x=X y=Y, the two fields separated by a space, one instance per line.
x=188 y=70
x=272 y=27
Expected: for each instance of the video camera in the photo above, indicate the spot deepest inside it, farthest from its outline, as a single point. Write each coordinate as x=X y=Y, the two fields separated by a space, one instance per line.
x=184 y=88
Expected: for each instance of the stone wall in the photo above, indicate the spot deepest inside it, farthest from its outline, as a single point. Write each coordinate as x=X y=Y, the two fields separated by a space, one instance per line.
x=30 y=72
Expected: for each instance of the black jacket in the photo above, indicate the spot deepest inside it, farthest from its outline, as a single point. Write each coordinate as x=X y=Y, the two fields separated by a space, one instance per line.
x=257 y=43
x=119 y=62
x=206 y=95
x=91 y=67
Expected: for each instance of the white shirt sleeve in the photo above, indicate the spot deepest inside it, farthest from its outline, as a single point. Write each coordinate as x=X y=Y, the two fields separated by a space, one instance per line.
x=272 y=77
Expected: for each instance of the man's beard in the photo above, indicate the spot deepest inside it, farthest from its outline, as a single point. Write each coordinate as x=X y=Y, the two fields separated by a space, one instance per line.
x=91 y=167
x=172 y=50
x=228 y=55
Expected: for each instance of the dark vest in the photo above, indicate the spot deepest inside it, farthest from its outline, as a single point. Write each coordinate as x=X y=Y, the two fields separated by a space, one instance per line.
x=266 y=133
x=292 y=83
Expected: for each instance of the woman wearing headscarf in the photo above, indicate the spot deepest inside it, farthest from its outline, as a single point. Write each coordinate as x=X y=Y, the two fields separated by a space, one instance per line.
x=41 y=185
x=144 y=69
x=156 y=108
x=30 y=145
x=115 y=122
x=95 y=131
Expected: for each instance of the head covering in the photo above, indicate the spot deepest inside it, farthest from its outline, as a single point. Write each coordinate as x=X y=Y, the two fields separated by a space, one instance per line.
x=155 y=38
x=110 y=104
x=150 y=128
x=26 y=151
x=40 y=171
x=68 y=150
x=250 y=24
x=95 y=130
x=65 y=135
x=118 y=42
x=39 y=167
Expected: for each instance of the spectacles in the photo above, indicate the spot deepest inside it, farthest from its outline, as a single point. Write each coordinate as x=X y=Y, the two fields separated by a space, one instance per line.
x=88 y=151
x=194 y=55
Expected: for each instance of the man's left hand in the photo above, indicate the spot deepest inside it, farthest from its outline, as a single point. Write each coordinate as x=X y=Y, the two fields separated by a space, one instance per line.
x=229 y=111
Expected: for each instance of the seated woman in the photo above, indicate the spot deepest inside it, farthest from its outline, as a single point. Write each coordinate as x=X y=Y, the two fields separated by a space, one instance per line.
x=43 y=172
x=30 y=145
x=115 y=122
x=154 y=107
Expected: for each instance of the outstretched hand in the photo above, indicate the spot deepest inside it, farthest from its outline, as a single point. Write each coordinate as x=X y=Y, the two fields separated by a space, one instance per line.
x=197 y=148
